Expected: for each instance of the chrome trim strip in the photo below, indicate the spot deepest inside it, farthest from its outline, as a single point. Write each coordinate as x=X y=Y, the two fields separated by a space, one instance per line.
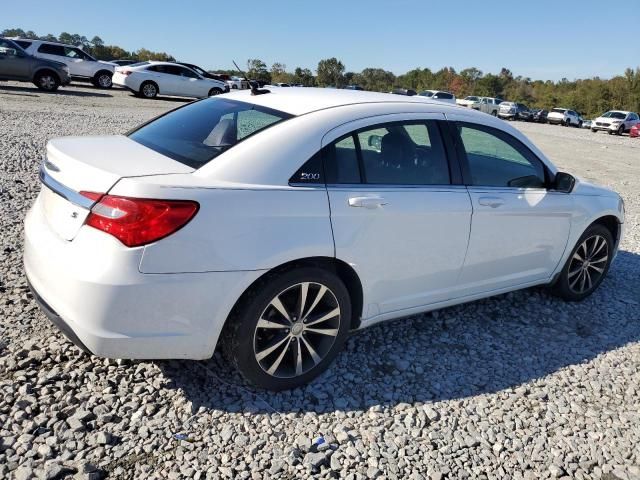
x=64 y=191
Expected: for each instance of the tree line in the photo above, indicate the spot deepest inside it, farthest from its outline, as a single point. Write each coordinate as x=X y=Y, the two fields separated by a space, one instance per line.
x=590 y=96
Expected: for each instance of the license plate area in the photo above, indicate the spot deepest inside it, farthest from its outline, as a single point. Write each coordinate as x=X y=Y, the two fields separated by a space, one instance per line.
x=64 y=217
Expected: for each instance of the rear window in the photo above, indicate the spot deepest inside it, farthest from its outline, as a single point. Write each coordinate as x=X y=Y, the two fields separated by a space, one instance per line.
x=199 y=132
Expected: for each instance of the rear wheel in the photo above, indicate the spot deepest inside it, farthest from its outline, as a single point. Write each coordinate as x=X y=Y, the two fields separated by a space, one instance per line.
x=587 y=265
x=102 y=79
x=47 y=81
x=494 y=113
x=149 y=90
x=289 y=328
x=215 y=91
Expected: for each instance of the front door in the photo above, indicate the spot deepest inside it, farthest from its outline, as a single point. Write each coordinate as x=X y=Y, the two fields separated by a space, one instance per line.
x=397 y=217
x=519 y=228
x=12 y=66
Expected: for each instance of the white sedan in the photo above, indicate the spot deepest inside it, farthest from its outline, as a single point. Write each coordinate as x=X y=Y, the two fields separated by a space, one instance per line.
x=150 y=79
x=273 y=224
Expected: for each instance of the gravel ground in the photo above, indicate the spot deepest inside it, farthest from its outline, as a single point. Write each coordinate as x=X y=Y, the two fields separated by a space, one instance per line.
x=518 y=386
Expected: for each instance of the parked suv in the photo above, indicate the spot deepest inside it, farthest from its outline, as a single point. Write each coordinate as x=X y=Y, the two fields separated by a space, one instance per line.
x=484 y=104
x=16 y=64
x=564 y=116
x=514 y=111
x=615 y=121
x=82 y=66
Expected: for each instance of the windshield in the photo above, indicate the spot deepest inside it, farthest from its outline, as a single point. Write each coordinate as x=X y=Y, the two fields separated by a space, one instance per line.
x=618 y=115
x=559 y=110
x=199 y=132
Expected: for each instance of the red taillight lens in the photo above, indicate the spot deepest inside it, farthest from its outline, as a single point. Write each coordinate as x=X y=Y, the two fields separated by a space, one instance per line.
x=139 y=221
x=126 y=73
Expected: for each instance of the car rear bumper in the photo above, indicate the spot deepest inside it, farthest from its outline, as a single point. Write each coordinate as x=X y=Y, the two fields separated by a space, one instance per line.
x=508 y=116
x=555 y=120
x=92 y=290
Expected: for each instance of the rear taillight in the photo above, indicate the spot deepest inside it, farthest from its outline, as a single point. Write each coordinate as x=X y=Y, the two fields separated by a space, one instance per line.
x=139 y=221
x=126 y=73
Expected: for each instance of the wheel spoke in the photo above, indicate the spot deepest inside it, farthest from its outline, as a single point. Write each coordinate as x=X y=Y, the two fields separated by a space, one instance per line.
x=577 y=256
x=262 y=323
x=597 y=269
x=333 y=313
x=587 y=276
x=274 y=366
x=596 y=242
x=314 y=354
x=261 y=355
x=576 y=280
x=332 y=332
x=603 y=259
x=583 y=279
x=319 y=296
x=299 y=358
x=302 y=301
x=572 y=273
x=277 y=304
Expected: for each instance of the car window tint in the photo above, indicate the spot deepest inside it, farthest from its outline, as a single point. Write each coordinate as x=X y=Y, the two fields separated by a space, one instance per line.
x=51 y=49
x=495 y=159
x=185 y=72
x=23 y=43
x=404 y=154
x=341 y=161
x=197 y=133
x=7 y=49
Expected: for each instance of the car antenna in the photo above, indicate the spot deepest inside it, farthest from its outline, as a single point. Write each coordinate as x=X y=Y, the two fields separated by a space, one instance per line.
x=255 y=89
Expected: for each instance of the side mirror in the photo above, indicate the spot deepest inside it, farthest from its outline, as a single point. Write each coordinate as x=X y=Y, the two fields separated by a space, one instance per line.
x=375 y=141
x=564 y=182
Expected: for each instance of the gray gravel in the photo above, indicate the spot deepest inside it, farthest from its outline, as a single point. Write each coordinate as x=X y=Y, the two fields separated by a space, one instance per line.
x=517 y=386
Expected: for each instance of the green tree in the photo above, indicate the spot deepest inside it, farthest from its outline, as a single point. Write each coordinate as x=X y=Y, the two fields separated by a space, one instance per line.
x=330 y=73
x=375 y=79
x=304 y=76
x=257 y=70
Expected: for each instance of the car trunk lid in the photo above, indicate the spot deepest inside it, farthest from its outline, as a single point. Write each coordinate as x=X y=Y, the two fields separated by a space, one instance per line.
x=74 y=165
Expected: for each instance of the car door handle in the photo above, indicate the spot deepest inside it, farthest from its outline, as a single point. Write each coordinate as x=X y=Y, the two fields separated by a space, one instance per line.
x=492 y=202
x=367 y=202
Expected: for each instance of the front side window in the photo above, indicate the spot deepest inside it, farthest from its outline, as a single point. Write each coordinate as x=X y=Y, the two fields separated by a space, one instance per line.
x=185 y=72
x=409 y=153
x=7 y=49
x=23 y=43
x=498 y=160
x=76 y=54
x=197 y=133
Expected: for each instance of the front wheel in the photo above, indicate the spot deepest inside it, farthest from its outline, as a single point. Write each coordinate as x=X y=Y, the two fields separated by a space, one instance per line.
x=620 y=130
x=587 y=265
x=288 y=328
x=215 y=91
x=47 y=81
x=103 y=80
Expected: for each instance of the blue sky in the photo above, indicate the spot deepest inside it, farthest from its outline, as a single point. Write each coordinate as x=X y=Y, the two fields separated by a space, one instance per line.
x=540 y=39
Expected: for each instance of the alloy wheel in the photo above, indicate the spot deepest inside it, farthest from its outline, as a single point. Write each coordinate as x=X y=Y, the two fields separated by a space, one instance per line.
x=104 y=80
x=588 y=264
x=47 y=82
x=296 y=330
x=149 y=90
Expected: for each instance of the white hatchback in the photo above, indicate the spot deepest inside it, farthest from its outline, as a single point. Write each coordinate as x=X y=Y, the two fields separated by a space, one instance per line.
x=150 y=79
x=273 y=224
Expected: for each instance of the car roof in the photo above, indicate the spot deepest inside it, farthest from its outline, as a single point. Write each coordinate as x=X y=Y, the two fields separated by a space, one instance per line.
x=619 y=111
x=305 y=100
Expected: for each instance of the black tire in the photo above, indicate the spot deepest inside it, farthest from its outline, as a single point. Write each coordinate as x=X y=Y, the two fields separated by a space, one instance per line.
x=580 y=124
x=47 y=80
x=494 y=113
x=620 y=130
x=215 y=91
x=562 y=286
x=235 y=87
x=594 y=130
x=149 y=89
x=102 y=80
x=243 y=342
x=609 y=132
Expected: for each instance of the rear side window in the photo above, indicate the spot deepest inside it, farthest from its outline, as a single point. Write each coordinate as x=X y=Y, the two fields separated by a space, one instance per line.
x=23 y=43
x=51 y=49
x=197 y=133
x=397 y=153
x=443 y=95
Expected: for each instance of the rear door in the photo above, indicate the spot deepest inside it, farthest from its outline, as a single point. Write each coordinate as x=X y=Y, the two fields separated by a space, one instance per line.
x=399 y=215
x=56 y=53
x=520 y=228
